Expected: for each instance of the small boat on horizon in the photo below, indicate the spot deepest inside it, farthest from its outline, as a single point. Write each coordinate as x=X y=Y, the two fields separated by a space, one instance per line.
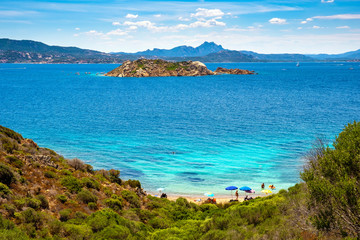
x=298 y=64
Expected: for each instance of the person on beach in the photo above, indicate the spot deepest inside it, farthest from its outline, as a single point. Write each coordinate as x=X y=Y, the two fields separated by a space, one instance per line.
x=263 y=186
x=237 y=194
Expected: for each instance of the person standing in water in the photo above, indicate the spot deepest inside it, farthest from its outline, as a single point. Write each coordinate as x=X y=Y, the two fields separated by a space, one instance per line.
x=263 y=186
x=237 y=194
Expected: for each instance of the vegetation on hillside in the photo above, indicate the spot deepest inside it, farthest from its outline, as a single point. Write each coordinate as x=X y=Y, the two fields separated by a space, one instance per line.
x=43 y=195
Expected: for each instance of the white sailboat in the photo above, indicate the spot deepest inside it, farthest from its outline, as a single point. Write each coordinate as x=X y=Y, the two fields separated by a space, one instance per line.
x=298 y=64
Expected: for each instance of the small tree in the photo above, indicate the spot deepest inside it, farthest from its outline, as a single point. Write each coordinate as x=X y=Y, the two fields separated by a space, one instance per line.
x=77 y=164
x=333 y=181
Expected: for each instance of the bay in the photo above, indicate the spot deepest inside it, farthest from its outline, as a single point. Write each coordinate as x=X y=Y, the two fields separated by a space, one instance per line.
x=187 y=134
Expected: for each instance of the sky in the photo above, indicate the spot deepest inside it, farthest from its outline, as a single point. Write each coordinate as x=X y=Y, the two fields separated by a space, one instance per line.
x=282 y=26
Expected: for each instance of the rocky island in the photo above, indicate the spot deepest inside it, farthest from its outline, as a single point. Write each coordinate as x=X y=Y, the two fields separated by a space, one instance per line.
x=162 y=68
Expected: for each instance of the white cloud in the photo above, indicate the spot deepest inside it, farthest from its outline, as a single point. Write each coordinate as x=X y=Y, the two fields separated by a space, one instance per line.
x=146 y=24
x=77 y=29
x=117 y=32
x=129 y=15
x=343 y=27
x=315 y=27
x=277 y=21
x=203 y=12
x=94 y=33
x=340 y=16
x=132 y=27
x=327 y=1
x=299 y=28
x=116 y=23
x=152 y=26
x=157 y=15
x=307 y=20
x=248 y=29
x=208 y=23
x=59 y=29
x=184 y=19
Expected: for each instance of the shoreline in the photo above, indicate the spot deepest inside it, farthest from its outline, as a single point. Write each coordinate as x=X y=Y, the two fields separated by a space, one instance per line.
x=199 y=199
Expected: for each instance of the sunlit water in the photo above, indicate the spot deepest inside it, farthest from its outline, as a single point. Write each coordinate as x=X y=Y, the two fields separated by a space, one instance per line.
x=187 y=134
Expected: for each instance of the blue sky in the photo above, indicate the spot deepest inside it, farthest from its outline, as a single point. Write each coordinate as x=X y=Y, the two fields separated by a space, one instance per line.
x=292 y=26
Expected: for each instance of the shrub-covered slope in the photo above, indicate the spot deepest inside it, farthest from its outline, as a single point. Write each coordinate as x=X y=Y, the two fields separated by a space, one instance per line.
x=44 y=196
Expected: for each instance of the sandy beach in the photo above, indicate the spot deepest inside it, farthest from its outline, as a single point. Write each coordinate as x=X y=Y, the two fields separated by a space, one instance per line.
x=201 y=199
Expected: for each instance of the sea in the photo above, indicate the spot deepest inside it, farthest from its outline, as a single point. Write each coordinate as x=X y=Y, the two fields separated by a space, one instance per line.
x=186 y=135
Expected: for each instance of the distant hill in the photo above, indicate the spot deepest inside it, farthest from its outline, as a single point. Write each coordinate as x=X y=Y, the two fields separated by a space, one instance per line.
x=32 y=51
x=286 y=57
x=24 y=51
x=182 y=51
x=353 y=55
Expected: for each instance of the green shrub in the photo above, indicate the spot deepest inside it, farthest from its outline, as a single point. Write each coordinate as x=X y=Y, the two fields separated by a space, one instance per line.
x=6 y=175
x=160 y=223
x=44 y=203
x=92 y=206
x=6 y=224
x=71 y=183
x=65 y=215
x=114 y=232
x=86 y=196
x=65 y=172
x=50 y=174
x=31 y=216
x=33 y=203
x=133 y=183
x=4 y=190
x=11 y=134
x=10 y=208
x=8 y=145
x=75 y=232
x=14 y=161
x=114 y=204
x=131 y=198
x=55 y=227
x=20 y=203
x=13 y=234
x=115 y=176
x=61 y=198
x=90 y=183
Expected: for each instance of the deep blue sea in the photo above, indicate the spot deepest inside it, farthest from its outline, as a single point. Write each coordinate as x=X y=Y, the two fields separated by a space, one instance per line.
x=189 y=135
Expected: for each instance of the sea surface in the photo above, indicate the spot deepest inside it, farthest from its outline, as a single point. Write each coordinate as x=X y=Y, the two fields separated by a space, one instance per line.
x=189 y=135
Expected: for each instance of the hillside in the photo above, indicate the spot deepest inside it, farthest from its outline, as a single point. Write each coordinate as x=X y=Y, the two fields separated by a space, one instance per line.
x=13 y=51
x=27 y=51
x=43 y=195
x=183 y=51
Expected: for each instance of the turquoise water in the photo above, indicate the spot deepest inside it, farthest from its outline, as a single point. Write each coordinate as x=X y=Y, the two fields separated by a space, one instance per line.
x=188 y=134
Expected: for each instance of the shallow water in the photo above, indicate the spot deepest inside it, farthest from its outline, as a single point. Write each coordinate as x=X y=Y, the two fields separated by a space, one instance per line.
x=188 y=134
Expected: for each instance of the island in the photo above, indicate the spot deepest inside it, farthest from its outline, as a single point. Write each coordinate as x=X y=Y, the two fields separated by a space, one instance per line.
x=162 y=68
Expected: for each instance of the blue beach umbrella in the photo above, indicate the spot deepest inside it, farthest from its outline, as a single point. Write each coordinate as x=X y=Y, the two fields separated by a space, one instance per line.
x=245 y=188
x=231 y=188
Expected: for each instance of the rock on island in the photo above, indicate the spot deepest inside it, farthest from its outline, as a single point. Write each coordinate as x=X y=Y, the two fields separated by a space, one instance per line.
x=162 y=68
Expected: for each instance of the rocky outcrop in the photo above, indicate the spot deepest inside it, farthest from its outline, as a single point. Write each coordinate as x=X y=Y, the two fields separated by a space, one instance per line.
x=161 y=68
x=235 y=71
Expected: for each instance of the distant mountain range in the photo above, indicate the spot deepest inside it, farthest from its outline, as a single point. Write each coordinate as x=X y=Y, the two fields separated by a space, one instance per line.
x=16 y=51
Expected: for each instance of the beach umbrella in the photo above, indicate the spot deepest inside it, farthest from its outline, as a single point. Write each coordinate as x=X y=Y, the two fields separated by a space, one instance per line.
x=266 y=191
x=208 y=194
x=245 y=188
x=231 y=188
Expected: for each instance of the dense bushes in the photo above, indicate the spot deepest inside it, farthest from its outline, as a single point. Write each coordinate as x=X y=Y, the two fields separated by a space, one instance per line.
x=86 y=196
x=6 y=175
x=332 y=177
x=71 y=183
